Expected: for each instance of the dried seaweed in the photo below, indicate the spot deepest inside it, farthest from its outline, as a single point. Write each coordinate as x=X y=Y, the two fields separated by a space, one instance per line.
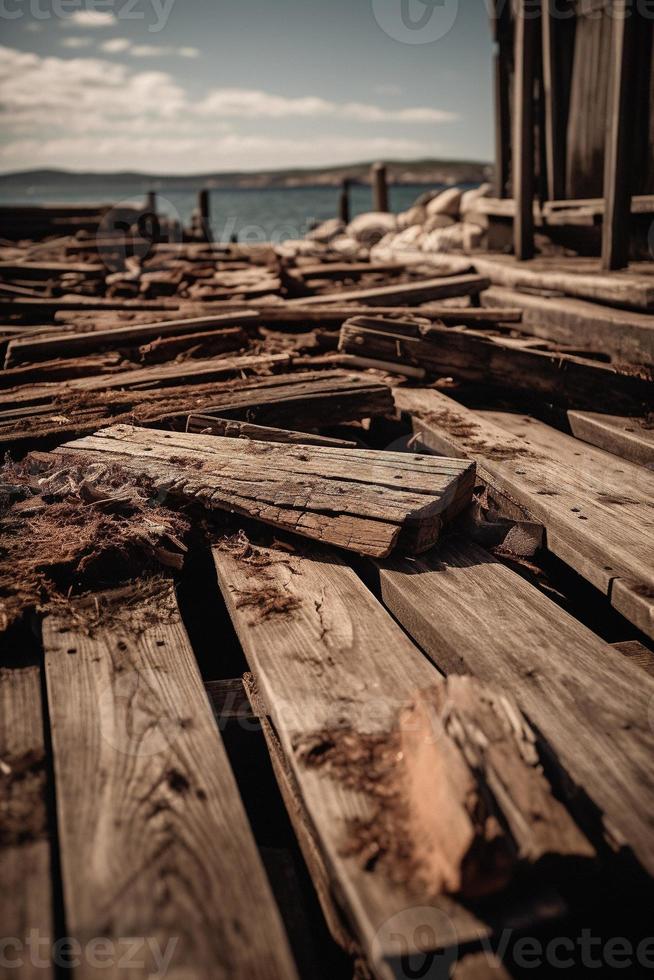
x=67 y=529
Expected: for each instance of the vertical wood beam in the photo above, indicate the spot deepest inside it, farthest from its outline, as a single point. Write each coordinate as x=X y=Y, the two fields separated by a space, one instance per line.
x=379 y=187
x=618 y=157
x=553 y=97
x=500 y=29
x=526 y=31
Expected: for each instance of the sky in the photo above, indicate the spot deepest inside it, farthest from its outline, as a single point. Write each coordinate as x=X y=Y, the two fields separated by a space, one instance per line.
x=193 y=86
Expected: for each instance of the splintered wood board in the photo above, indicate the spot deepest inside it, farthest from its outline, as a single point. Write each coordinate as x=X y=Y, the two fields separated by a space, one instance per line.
x=362 y=500
x=598 y=510
x=617 y=434
x=472 y=614
x=337 y=660
x=25 y=863
x=154 y=839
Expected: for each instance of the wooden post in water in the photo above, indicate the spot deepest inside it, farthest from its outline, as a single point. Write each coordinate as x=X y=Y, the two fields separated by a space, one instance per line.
x=344 y=202
x=204 y=213
x=379 y=187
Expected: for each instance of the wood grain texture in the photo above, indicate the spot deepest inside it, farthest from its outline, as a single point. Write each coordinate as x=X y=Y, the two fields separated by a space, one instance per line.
x=470 y=355
x=210 y=425
x=337 y=661
x=626 y=336
x=420 y=291
x=362 y=500
x=580 y=277
x=154 y=839
x=68 y=344
x=616 y=434
x=589 y=703
x=26 y=898
x=597 y=519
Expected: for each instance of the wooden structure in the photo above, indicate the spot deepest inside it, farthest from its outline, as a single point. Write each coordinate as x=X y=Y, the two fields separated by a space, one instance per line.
x=235 y=738
x=575 y=115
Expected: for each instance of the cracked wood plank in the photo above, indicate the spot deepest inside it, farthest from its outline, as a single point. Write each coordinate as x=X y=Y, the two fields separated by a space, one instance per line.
x=330 y=659
x=25 y=863
x=154 y=838
x=597 y=510
x=362 y=500
x=470 y=613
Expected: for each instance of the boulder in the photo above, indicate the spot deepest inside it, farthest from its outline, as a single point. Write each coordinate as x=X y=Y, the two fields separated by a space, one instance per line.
x=414 y=216
x=326 y=231
x=447 y=202
x=436 y=221
x=369 y=228
x=444 y=239
x=410 y=237
x=346 y=245
x=470 y=198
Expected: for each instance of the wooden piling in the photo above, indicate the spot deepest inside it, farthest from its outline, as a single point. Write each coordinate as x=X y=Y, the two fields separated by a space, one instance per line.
x=379 y=187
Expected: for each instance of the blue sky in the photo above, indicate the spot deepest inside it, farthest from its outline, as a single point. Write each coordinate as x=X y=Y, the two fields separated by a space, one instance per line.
x=186 y=86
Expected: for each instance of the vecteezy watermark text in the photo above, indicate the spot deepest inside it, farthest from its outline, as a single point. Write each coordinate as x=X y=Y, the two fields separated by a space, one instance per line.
x=128 y=953
x=153 y=12
x=427 y=21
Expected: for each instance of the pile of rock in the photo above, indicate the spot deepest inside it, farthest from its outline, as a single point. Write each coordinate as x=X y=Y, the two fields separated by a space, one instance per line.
x=439 y=221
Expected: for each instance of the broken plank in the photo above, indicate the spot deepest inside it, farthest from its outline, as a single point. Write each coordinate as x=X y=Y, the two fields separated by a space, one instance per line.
x=602 y=525
x=419 y=291
x=626 y=336
x=211 y=425
x=591 y=705
x=25 y=864
x=473 y=356
x=70 y=344
x=154 y=838
x=627 y=437
x=335 y=662
x=578 y=277
x=361 y=500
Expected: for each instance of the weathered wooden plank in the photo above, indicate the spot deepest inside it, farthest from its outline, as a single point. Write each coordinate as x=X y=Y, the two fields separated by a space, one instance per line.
x=576 y=277
x=420 y=291
x=68 y=344
x=638 y=653
x=473 y=356
x=26 y=907
x=336 y=662
x=155 y=843
x=232 y=428
x=626 y=336
x=362 y=500
x=598 y=520
x=591 y=705
x=627 y=437
x=46 y=412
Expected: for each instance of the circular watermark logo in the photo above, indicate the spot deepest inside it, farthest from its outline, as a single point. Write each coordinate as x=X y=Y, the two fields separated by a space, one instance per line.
x=420 y=943
x=136 y=716
x=131 y=230
x=416 y=21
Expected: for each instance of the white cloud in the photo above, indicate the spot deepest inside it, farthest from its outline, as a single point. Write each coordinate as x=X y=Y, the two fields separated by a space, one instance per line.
x=159 y=51
x=92 y=18
x=76 y=42
x=255 y=104
x=118 y=45
x=115 y=45
x=93 y=113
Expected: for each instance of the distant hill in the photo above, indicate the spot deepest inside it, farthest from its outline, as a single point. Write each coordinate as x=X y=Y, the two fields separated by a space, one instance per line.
x=399 y=172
